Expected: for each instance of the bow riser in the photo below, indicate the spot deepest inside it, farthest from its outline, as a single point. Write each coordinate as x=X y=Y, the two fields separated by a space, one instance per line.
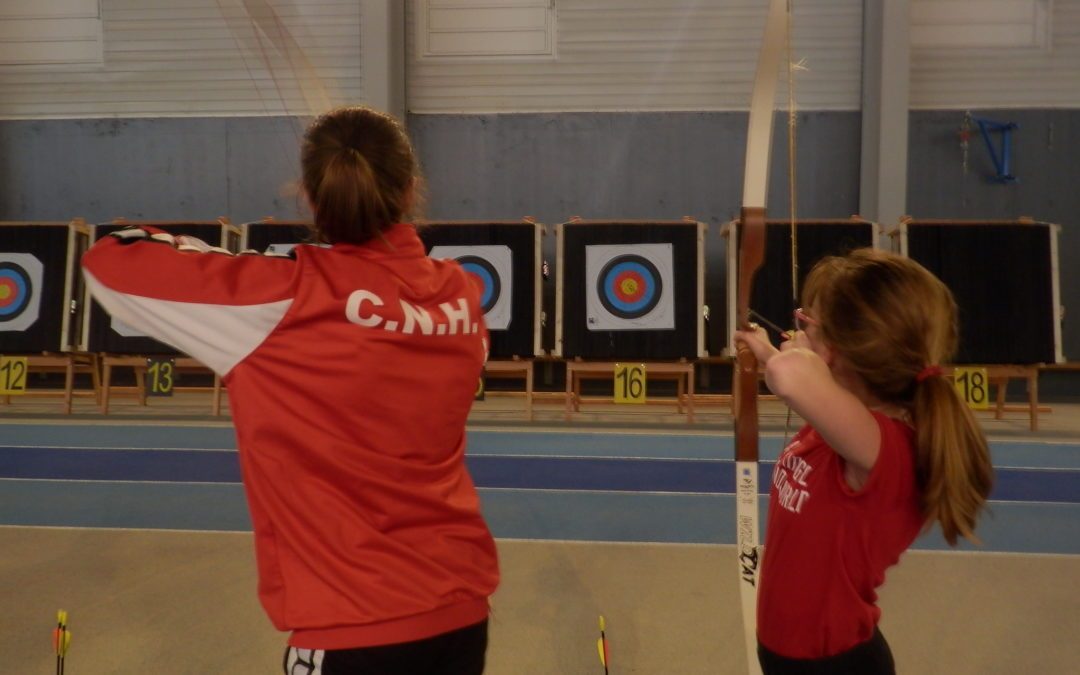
x=751 y=242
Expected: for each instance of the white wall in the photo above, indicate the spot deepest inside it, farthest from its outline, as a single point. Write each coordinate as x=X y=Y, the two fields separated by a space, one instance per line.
x=196 y=57
x=184 y=58
x=1003 y=77
x=641 y=55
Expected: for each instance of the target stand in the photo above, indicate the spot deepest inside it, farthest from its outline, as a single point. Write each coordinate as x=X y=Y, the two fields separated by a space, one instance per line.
x=772 y=294
x=271 y=236
x=41 y=302
x=630 y=291
x=1014 y=264
x=505 y=259
x=681 y=372
x=121 y=346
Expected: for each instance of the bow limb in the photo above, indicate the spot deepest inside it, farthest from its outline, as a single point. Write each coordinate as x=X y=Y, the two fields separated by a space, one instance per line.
x=751 y=243
x=314 y=90
x=260 y=33
x=257 y=23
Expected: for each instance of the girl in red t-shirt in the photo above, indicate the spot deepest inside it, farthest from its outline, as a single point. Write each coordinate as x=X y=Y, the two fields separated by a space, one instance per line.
x=889 y=449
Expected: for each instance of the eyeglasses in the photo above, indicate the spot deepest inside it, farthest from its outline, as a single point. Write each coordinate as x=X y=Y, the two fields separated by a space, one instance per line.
x=803 y=320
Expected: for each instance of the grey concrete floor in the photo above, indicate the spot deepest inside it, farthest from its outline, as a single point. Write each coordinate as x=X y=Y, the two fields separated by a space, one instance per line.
x=177 y=603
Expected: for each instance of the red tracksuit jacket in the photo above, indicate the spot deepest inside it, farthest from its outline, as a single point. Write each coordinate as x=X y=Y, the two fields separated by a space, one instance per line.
x=351 y=371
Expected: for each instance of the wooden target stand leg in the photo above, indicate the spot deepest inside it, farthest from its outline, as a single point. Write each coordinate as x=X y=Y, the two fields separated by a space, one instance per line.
x=682 y=372
x=69 y=363
x=110 y=361
x=138 y=364
x=998 y=376
x=515 y=368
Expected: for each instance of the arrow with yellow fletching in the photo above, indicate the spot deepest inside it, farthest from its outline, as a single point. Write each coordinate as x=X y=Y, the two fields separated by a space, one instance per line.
x=602 y=646
x=61 y=640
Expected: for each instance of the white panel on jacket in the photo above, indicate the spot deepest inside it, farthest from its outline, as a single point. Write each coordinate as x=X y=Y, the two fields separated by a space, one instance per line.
x=219 y=336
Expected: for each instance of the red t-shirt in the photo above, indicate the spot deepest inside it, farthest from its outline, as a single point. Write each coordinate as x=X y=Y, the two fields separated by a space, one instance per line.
x=351 y=372
x=827 y=546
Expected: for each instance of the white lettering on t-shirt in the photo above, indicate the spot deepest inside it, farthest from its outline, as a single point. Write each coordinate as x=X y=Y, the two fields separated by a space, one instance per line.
x=789 y=478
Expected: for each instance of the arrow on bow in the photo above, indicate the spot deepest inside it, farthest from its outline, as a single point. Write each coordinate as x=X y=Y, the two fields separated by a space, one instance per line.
x=751 y=247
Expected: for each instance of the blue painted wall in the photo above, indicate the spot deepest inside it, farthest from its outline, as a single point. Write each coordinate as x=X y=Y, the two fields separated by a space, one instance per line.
x=155 y=168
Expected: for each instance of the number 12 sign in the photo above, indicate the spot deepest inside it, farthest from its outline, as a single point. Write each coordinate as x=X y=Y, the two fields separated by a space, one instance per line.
x=13 y=375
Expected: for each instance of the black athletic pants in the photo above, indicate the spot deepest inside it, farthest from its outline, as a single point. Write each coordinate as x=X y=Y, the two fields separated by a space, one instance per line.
x=872 y=657
x=459 y=652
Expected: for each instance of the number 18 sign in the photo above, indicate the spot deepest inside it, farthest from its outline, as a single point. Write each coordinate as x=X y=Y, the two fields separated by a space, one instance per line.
x=973 y=387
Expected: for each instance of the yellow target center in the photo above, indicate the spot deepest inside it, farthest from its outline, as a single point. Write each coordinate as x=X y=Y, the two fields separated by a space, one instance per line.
x=5 y=292
x=629 y=286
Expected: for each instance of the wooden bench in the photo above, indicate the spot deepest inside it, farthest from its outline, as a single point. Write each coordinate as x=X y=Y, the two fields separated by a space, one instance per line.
x=516 y=368
x=68 y=363
x=999 y=376
x=682 y=372
x=138 y=363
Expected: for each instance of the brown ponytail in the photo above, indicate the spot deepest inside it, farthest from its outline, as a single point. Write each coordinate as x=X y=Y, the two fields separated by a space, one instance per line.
x=952 y=459
x=359 y=172
x=890 y=318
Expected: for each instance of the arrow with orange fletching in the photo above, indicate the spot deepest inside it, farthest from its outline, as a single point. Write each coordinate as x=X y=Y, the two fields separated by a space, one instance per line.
x=61 y=640
x=602 y=646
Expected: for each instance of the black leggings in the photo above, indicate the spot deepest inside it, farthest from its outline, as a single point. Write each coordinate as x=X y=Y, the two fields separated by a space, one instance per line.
x=459 y=652
x=872 y=657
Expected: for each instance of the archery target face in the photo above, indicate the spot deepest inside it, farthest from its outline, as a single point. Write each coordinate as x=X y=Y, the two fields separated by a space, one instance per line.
x=21 y=277
x=629 y=287
x=491 y=267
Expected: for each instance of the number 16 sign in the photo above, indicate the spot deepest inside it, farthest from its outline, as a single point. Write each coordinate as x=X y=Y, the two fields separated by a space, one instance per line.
x=630 y=381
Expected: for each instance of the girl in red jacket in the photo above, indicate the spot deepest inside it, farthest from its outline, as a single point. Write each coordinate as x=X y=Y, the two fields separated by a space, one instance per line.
x=351 y=369
x=889 y=449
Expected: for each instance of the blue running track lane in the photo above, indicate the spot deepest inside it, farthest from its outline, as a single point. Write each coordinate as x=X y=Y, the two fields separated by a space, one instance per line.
x=642 y=487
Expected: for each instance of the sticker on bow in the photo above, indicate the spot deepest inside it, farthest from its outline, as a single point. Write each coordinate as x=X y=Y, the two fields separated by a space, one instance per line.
x=629 y=287
x=491 y=269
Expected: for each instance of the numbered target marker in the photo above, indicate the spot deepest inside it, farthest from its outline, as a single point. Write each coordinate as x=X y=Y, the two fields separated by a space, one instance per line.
x=491 y=268
x=973 y=386
x=629 y=287
x=13 y=375
x=160 y=376
x=20 y=290
x=630 y=382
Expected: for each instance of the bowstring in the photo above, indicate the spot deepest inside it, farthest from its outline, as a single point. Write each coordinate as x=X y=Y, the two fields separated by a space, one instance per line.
x=792 y=178
x=236 y=27
x=270 y=35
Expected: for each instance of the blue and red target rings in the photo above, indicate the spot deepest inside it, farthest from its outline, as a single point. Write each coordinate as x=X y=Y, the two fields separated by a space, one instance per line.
x=16 y=290
x=483 y=270
x=629 y=286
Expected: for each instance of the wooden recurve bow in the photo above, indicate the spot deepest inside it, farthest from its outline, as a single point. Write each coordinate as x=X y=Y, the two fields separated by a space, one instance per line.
x=751 y=248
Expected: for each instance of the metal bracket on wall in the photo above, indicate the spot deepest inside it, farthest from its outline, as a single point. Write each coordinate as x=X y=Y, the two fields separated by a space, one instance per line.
x=1001 y=161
